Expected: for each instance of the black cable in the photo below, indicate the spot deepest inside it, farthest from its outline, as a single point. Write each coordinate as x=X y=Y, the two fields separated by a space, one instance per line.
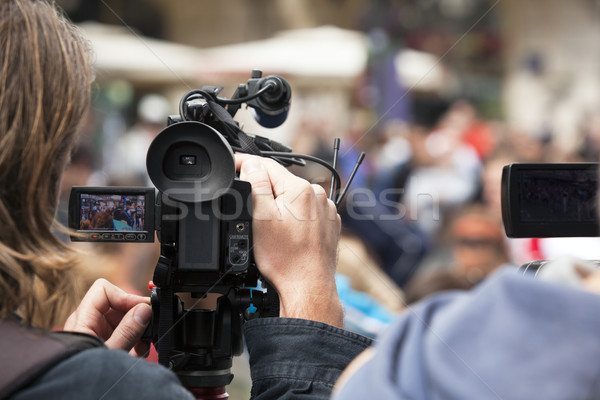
x=262 y=90
x=284 y=155
x=202 y=94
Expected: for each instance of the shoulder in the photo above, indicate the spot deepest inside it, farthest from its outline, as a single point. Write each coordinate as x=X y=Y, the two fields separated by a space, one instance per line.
x=102 y=373
x=542 y=336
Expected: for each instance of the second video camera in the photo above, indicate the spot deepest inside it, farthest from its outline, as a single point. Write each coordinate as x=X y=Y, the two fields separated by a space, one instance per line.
x=550 y=200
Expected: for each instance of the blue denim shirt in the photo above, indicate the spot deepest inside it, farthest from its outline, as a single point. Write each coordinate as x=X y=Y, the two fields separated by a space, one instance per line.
x=297 y=358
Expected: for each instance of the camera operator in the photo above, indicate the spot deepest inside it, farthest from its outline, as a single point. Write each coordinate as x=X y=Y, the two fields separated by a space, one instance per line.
x=44 y=95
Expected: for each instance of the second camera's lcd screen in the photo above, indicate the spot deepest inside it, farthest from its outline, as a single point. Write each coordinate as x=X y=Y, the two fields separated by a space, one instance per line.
x=558 y=196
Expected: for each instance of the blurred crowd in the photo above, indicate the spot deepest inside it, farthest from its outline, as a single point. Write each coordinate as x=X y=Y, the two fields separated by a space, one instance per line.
x=426 y=208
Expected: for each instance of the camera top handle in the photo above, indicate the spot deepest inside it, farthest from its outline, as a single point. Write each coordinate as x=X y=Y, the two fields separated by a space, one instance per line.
x=269 y=97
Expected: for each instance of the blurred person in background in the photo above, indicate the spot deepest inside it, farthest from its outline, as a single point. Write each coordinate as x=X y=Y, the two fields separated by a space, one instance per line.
x=369 y=296
x=476 y=248
x=434 y=282
x=80 y=168
x=357 y=263
x=446 y=168
x=372 y=209
x=421 y=172
x=127 y=158
x=477 y=242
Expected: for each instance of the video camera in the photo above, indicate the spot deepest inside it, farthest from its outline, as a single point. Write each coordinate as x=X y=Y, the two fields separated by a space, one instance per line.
x=541 y=200
x=550 y=200
x=202 y=215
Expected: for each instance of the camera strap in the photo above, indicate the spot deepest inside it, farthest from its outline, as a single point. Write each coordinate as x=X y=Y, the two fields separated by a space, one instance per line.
x=232 y=129
x=27 y=353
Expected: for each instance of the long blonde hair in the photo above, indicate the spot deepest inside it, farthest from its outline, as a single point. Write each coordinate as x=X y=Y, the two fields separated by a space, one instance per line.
x=45 y=78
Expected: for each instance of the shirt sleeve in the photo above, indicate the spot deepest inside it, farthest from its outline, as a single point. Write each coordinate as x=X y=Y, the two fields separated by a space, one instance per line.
x=106 y=374
x=298 y=359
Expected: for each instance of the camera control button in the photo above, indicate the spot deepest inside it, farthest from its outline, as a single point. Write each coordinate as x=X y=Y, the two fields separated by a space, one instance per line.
x=141 y=236
x=118 y=236
x=130 y=236
x=107 y=236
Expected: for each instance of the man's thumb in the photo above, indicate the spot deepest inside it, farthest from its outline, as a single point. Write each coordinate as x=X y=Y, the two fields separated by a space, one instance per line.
x=129 y=331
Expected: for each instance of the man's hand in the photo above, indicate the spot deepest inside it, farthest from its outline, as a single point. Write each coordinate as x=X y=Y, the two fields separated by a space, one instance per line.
x=113 y=315
x=296 y=229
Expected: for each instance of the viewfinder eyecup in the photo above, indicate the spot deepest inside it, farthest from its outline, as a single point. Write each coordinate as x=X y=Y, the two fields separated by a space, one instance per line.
x=190 y=162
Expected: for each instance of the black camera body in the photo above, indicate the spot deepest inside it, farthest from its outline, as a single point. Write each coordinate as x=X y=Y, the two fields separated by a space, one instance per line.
x=206 y=247
x=135 y=215
x=202 y=216
x=550 y=200
x=541 y=200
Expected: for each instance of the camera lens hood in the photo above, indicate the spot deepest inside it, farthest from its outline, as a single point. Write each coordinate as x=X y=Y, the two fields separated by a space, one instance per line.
x=190 y=162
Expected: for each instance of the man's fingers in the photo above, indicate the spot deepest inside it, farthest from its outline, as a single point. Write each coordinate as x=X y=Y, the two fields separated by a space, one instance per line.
x=319 y=190
x=276 y=191
x=279 y=178
x=263 y=198
x=103 y=296
x=129 y=331
x=142 y=349
x=252 y=170
x=239 y=158
x=114 y=317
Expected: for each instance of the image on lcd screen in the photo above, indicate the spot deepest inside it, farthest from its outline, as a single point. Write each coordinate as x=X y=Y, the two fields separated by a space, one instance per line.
x=558 y=196
x=112 y=212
